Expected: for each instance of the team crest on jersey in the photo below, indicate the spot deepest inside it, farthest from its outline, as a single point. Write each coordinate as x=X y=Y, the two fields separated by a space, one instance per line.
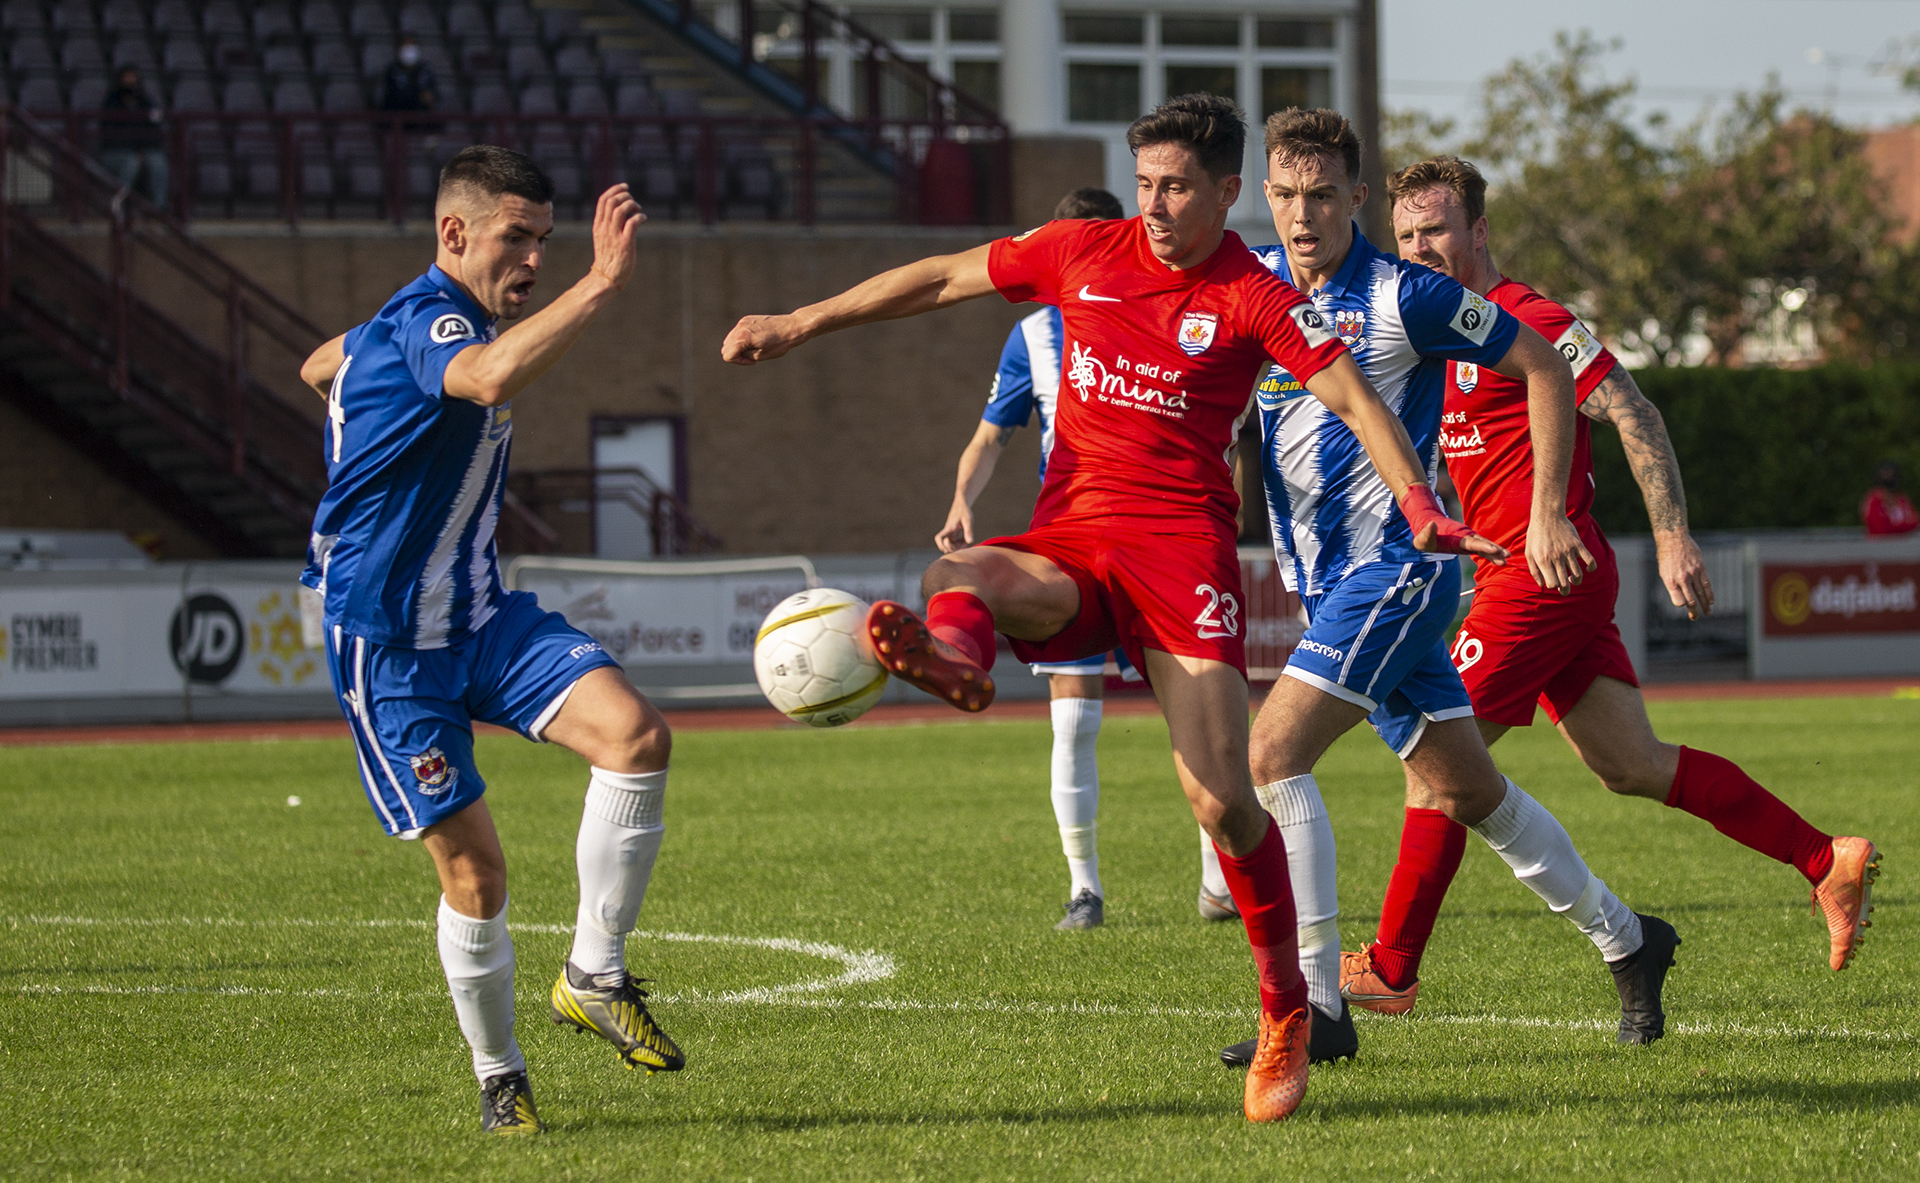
x=450 y=327
x=1196 y=332
x=1466 y=376
x=433 y=772
x=1351 y=327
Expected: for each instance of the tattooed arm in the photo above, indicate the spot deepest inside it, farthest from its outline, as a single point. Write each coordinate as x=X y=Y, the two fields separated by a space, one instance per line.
x=1643 y=434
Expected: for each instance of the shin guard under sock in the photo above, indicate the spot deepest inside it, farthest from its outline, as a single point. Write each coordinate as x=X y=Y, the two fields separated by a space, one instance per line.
x=1263 y=892
x=477 y=956
x=1431 y=844
x=1534 y=844
x=1076 y=789
x=620 y=833
x=1716 y=791
x=962 y=620
x=1296 y=807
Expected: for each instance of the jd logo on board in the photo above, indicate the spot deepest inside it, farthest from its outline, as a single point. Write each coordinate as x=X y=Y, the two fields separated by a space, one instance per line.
x=206 y=639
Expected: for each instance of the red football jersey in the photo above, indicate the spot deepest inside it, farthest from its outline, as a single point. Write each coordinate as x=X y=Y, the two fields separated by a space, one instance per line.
x=1484 y=433
x=1157 y=367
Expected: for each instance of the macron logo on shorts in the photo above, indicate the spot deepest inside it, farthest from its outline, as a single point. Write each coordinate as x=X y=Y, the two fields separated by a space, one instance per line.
x=1326 y=651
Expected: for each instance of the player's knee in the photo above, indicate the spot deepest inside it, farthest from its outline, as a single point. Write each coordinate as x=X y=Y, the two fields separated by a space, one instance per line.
x=1270 y=757
x=645 y=744
x=1633 y=778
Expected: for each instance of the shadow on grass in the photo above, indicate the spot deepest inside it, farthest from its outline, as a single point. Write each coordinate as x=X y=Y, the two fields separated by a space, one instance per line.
x=1812 y=1096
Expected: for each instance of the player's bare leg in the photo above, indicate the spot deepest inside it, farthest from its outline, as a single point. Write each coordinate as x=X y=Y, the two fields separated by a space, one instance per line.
x=971 y=595
x=1609 y=729
x=627 y=744
x=1075 y=707
x=476 y=953
x=1205 y=703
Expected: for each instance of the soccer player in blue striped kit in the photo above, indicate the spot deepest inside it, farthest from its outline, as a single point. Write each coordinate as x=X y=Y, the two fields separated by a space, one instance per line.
x=422 y=637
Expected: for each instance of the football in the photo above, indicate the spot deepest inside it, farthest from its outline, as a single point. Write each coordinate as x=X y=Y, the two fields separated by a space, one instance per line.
x=812 y=660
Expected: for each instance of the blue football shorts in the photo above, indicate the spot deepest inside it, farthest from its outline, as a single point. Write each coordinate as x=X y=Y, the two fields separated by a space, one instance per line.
x=1091 y=667
x=412 y=710
x=1378 y=639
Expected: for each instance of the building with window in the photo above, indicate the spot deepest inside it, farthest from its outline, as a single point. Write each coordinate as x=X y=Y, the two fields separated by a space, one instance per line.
x=1061 y=67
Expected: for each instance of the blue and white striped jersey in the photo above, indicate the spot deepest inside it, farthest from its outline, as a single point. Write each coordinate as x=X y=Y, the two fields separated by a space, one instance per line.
x=1028 y=379
x=1402 y=322
x=402 y=544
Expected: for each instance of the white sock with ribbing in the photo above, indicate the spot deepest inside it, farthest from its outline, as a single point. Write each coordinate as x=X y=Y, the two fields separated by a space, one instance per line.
x=1535 y=844
x=620 y=833
x=1076 y=790
x=1296 y=806
x=477 y=956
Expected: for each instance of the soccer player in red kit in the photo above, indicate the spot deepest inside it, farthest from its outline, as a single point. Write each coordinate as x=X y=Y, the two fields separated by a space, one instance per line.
x=1520 y=644
x=1168 y=322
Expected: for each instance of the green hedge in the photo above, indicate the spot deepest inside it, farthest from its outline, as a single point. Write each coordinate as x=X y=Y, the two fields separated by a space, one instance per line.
x=1769 y=449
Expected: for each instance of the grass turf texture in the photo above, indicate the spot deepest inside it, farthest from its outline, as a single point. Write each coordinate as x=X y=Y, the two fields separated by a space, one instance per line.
x=261 y=1048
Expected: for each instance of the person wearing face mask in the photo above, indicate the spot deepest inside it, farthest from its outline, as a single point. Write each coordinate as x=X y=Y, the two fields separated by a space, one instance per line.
x=410 y=85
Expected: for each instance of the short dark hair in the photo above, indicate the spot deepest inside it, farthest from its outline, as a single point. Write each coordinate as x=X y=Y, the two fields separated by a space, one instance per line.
x=489 y=171
x=1213 y=128
x=1294 y=133
x=1089 y=203
x=1442 y=172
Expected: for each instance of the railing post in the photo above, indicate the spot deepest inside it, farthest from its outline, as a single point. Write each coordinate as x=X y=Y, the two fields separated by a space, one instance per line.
x=704 y=178
x=806 y=209
x=117 y=251
x=874 y=113
x=686 y=11
x=289 y=194
x=809 y=56
x=396 y=171
x=6 y=202
x=746 y=33
x=236 y=377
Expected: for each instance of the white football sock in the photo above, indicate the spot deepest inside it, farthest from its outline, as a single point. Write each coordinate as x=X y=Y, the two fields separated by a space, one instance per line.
x=620 y=832
x=477 y=956
x=1295 y=804
x=1542 y=856
x=1211 y=876
x=1076 y=789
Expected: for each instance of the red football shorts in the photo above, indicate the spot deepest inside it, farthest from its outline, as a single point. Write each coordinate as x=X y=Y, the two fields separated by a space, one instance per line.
x=1141 y=589
x=1522 y=644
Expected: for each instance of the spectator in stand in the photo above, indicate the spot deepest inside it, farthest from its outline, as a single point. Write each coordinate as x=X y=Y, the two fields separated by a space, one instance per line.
x=410 y=85
x=1886 y=510
x=131 y=137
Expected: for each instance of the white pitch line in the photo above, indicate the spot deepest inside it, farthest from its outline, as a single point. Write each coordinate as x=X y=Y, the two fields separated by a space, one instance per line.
x=859 y=967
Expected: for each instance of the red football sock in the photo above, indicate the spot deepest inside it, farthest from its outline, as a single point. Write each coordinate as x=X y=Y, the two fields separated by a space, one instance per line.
x=962 y=620
x=1716 y=791
x=1431 y=844
x=1263 y=892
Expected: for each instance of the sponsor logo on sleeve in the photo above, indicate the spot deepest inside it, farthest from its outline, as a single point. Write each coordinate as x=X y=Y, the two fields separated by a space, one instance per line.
x=451 y=327
x=1475 y=317
x=1196 y=332
x=1579 y=346
x=1466 y=376
x=1311 y=324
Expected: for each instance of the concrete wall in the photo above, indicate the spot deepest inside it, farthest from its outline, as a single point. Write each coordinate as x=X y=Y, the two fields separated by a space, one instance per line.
x=48 y=484
x=848 y=444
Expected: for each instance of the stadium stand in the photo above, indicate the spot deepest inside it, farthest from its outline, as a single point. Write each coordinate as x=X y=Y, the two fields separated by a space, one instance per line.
x=272 y=105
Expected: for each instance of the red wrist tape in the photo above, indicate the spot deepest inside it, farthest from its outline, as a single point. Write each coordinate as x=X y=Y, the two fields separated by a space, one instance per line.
x=1422 y=508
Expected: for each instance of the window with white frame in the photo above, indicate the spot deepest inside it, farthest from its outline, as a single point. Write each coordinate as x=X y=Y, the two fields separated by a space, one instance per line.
x=1121 y=64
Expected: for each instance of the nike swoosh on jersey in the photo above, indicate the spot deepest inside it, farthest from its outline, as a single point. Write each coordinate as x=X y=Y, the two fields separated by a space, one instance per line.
x=1086 y=293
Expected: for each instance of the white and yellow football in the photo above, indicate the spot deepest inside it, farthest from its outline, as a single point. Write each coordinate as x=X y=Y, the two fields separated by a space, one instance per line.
x=812 y=660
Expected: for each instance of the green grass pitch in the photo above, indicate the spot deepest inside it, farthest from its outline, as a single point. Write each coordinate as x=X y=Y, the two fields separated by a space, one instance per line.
x=198 y=981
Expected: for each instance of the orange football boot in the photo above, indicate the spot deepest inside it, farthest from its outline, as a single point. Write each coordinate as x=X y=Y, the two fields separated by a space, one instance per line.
x=1277 y=1078
x=1845 y=896
x=911 y=653
x=1361 y=986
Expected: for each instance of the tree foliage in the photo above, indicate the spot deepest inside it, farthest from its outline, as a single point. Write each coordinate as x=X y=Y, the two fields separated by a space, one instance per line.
x=1752 y=220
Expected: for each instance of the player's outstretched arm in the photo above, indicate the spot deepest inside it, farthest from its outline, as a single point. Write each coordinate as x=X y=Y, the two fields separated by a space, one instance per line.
x=492 y=374
x=1345 y=391
x=976 y=469
x=1643 y=434
x=929 y=284
x=322 y=364
x=1556 y=557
